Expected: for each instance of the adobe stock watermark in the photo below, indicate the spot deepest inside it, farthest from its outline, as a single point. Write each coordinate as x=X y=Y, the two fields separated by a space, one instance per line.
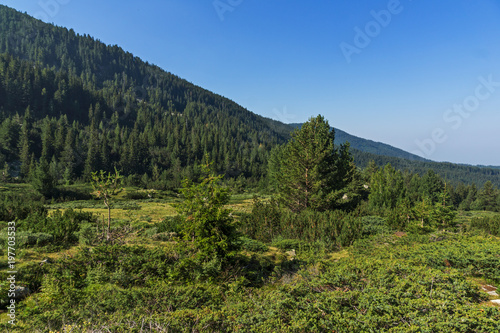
x=50 y=8
x=372 y=29
x=455 y=115
x=224 y=6
x=283 y=115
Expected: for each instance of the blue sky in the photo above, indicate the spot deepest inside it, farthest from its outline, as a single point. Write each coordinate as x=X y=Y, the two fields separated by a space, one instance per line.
x=420 y=75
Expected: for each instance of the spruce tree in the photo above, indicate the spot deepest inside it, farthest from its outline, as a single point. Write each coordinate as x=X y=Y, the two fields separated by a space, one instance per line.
x=25 y=144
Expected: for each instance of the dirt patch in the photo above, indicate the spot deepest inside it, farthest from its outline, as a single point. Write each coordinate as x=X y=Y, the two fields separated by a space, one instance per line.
x=491 y=290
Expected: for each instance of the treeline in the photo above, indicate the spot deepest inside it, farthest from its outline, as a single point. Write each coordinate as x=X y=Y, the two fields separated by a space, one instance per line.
x=112 y=71
x=50 y=120
x=71 y=104
x=452 y=173
x=390 y=187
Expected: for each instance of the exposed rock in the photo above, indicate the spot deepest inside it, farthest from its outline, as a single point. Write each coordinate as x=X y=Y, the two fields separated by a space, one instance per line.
x=291 y=253
x=164 y=236
x=491 y=290
x=22 y=292
x=45 y=261
x=496 y=301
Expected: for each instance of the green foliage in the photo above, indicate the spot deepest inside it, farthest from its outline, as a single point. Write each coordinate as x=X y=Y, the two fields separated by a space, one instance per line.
x=87 y=235
x=264 y=223
x=42 y=180
x=489 y=224
x=170 y=224
x=28 y=239
x=312 y=173
x=206 y=221
x=454 y=173
x=105 y=186
x=374 y=225
x=14 y=207
x=62 y=226
x=397 y=288
x=268 y=221
x=487 y=199
x=386 y=188
x=253 y=245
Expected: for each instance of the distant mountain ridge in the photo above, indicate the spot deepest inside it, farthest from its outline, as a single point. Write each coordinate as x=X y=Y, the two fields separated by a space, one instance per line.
x=372 y=147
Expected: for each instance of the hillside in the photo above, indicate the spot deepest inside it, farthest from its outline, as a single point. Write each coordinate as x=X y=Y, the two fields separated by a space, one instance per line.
x=369 y=146
x=123 y=111
x=132 y=200
x=94 y=106
x=364 y=151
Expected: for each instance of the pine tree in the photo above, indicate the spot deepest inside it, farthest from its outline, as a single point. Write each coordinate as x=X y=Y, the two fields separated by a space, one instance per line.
x=42 y=181
x=311 y=171
x=387 y=188
x=25 y=144
x=68 y=158
x=207 y=222
x=487 y=198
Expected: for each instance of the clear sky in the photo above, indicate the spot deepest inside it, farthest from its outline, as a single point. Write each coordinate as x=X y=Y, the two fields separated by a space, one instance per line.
x=421 y=75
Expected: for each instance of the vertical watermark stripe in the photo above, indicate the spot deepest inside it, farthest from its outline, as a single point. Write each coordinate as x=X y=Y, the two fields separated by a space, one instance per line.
x=11 y=279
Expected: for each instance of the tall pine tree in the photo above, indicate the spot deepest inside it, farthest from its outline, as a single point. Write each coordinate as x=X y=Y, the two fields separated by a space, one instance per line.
x=311 y=172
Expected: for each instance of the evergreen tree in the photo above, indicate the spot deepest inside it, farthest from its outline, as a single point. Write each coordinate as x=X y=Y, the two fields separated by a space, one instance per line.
x=487 y=198
x=207 y=222
x=387 y=188
x=432 y=185
x=25 y=144
x=41 y=179
x=68 y=158
x=311 y=171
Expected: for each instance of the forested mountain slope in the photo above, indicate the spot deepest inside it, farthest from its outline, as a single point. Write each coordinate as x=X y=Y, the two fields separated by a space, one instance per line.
x=78 y=105
x=117 y=106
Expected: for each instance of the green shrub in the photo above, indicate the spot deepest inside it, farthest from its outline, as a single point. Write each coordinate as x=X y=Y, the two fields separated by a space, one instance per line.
x=150 y=232
x=490 y=224
x=87 y=234
x=253 y=245
x=15 y=207
x=374 y=225
x=137 y=195
x=28 y=239
x=170 y=224
x=63 y=226
x=288 y=244
x=334 y=228
x=164 y=236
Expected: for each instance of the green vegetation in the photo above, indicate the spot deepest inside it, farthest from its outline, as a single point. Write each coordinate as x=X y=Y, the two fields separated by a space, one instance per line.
x=309 y=172
x=105 y=187
x=287 y=232
x=205 y=219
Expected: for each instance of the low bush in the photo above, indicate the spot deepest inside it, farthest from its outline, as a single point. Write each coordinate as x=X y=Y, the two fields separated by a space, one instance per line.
x=170 y=224
x=15 y=207
x=489 y=224
x=268 y=221
x=253 y=245
x=28 y=239
x=63 y=226
x=374 y=225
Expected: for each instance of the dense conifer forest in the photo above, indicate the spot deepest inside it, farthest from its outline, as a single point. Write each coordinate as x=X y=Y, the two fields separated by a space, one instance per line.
x=134 y=201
